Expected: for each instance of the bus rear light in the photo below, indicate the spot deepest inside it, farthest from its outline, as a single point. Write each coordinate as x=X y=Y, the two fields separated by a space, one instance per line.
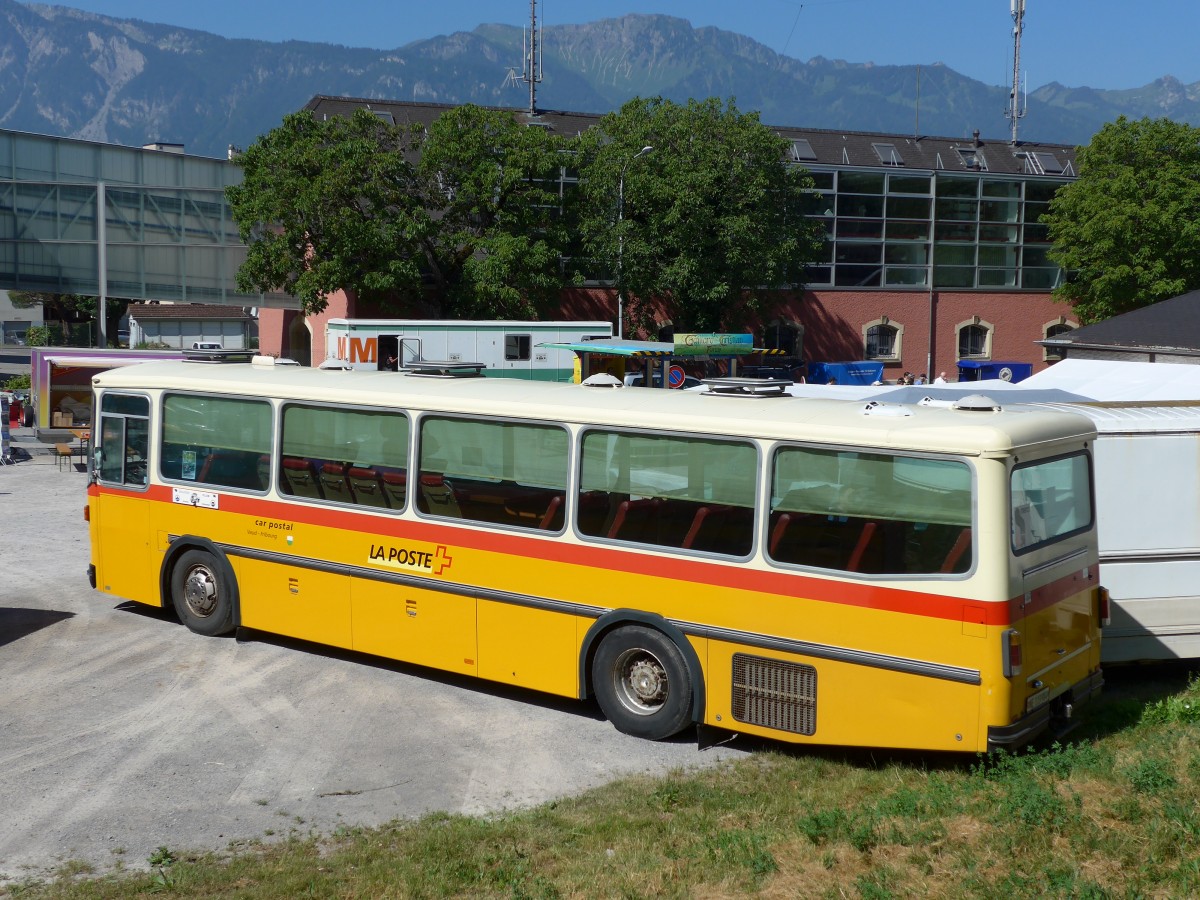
x=1011 y=646
x=1104 y=601
x=87 y=512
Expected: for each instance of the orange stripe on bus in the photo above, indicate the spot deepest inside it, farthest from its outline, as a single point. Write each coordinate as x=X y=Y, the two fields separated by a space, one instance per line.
x=724 y=575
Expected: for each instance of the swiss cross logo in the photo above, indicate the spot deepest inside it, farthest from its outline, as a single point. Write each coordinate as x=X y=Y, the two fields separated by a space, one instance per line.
x=441 y=560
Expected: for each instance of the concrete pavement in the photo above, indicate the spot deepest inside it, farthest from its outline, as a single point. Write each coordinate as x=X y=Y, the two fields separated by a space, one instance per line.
x=121 y=731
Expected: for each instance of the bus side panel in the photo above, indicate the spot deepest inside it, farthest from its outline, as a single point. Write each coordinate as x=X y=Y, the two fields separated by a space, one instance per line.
x=530 y=647
x=429 y=628
x=126 y=565
x=839 y=702
x=295 y=602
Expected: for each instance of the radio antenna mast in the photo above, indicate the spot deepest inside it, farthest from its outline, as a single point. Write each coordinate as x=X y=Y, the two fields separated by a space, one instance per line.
x=531 y=71
x=1016 y=109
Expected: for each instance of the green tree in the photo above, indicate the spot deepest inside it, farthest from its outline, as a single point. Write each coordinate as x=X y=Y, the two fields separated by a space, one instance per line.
x=327 y=205
x=1127 y=230
x=464 y=218
x=711 y=217
x=492 y=183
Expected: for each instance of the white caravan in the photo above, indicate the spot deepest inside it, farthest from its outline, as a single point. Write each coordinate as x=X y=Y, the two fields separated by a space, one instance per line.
x=504 y=349
x=1147 y=460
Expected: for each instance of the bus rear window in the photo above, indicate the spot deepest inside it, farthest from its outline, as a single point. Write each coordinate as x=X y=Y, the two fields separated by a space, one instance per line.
x=1051 y=500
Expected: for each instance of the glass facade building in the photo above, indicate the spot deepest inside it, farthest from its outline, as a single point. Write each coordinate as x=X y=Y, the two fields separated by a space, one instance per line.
x=78 y=217
x=903 y=229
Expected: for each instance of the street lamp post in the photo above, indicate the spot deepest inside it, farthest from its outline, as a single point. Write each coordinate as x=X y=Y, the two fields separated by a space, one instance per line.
x=621 y=239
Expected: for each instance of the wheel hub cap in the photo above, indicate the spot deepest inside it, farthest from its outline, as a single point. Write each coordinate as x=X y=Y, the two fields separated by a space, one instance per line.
x=200 y=592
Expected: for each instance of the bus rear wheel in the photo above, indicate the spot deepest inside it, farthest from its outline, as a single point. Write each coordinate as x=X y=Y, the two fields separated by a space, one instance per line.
x=202 y=594
x=642 y=684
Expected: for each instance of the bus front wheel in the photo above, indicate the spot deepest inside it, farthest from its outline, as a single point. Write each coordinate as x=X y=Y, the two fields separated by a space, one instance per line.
x=202 y=594
x=641 y=683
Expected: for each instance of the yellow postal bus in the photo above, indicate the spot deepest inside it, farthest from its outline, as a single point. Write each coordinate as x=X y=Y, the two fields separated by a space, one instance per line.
x=807 y=570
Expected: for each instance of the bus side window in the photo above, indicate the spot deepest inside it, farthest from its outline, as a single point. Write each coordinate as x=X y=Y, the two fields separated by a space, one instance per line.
x=495 y=472
x=344 y=455
x=870 y=513
x=218 y=441
x=677 y=491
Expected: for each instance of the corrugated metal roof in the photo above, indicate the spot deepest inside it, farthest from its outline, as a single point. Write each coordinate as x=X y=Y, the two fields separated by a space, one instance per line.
x=186 y=311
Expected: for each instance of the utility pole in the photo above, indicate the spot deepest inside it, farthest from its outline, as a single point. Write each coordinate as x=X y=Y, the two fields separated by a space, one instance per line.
x=1016 y=109
x=621 y=239
x=531 y=72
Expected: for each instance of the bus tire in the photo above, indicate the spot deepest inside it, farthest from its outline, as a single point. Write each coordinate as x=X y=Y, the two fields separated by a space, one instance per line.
x=641 y=682
x=202 y=593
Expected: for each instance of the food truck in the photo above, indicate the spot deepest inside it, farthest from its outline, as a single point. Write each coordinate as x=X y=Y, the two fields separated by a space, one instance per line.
x=60 y=379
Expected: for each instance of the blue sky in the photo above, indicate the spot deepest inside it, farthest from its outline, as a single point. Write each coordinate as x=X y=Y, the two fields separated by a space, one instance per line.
x=1093 y=43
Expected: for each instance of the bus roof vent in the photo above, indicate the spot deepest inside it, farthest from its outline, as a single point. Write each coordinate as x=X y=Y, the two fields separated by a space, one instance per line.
x=977 y=403
x=935 y=401
x=755 y=388
x=603 y=380
x=875 y=408
x=221 y=356
x=270 y=362
x=432 y=368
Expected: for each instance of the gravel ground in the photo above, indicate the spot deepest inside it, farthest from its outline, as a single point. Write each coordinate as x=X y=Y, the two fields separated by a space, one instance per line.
x=121 y=731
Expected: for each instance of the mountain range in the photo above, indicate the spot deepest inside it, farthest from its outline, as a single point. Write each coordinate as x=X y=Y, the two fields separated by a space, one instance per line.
x=76 y=74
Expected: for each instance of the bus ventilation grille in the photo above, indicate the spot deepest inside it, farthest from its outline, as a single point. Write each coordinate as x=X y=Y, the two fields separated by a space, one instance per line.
x=774 y=694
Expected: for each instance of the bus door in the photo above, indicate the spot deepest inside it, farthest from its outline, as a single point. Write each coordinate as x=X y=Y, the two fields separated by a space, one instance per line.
x=120 y=509
x=1055 y=622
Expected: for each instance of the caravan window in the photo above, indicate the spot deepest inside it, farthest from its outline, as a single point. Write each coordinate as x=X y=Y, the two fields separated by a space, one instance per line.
x=516 y=347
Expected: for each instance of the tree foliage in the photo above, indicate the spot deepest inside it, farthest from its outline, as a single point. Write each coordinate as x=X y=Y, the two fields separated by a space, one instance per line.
x=467 y=217
x=1128 y=229
x=327 y=205
x=492 y=183
x=462 y=218
x=711 y=215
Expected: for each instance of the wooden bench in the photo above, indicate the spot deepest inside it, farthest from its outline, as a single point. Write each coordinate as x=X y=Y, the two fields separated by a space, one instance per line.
x=65 y=454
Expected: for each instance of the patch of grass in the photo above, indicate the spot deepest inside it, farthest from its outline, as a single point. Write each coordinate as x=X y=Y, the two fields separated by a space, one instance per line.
x=1109 y=816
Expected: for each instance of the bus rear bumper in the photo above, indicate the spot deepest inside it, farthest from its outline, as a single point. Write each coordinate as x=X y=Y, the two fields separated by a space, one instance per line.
x=1055 y=717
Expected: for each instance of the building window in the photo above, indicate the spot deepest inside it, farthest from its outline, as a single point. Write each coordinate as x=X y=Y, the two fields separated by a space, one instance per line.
x=802 y=150
x=975 y=339
x=888 y=154
x=882 y=340
x=1057 y=328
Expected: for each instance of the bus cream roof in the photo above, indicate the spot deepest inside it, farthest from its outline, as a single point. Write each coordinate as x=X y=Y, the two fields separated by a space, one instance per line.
x=786 y=418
